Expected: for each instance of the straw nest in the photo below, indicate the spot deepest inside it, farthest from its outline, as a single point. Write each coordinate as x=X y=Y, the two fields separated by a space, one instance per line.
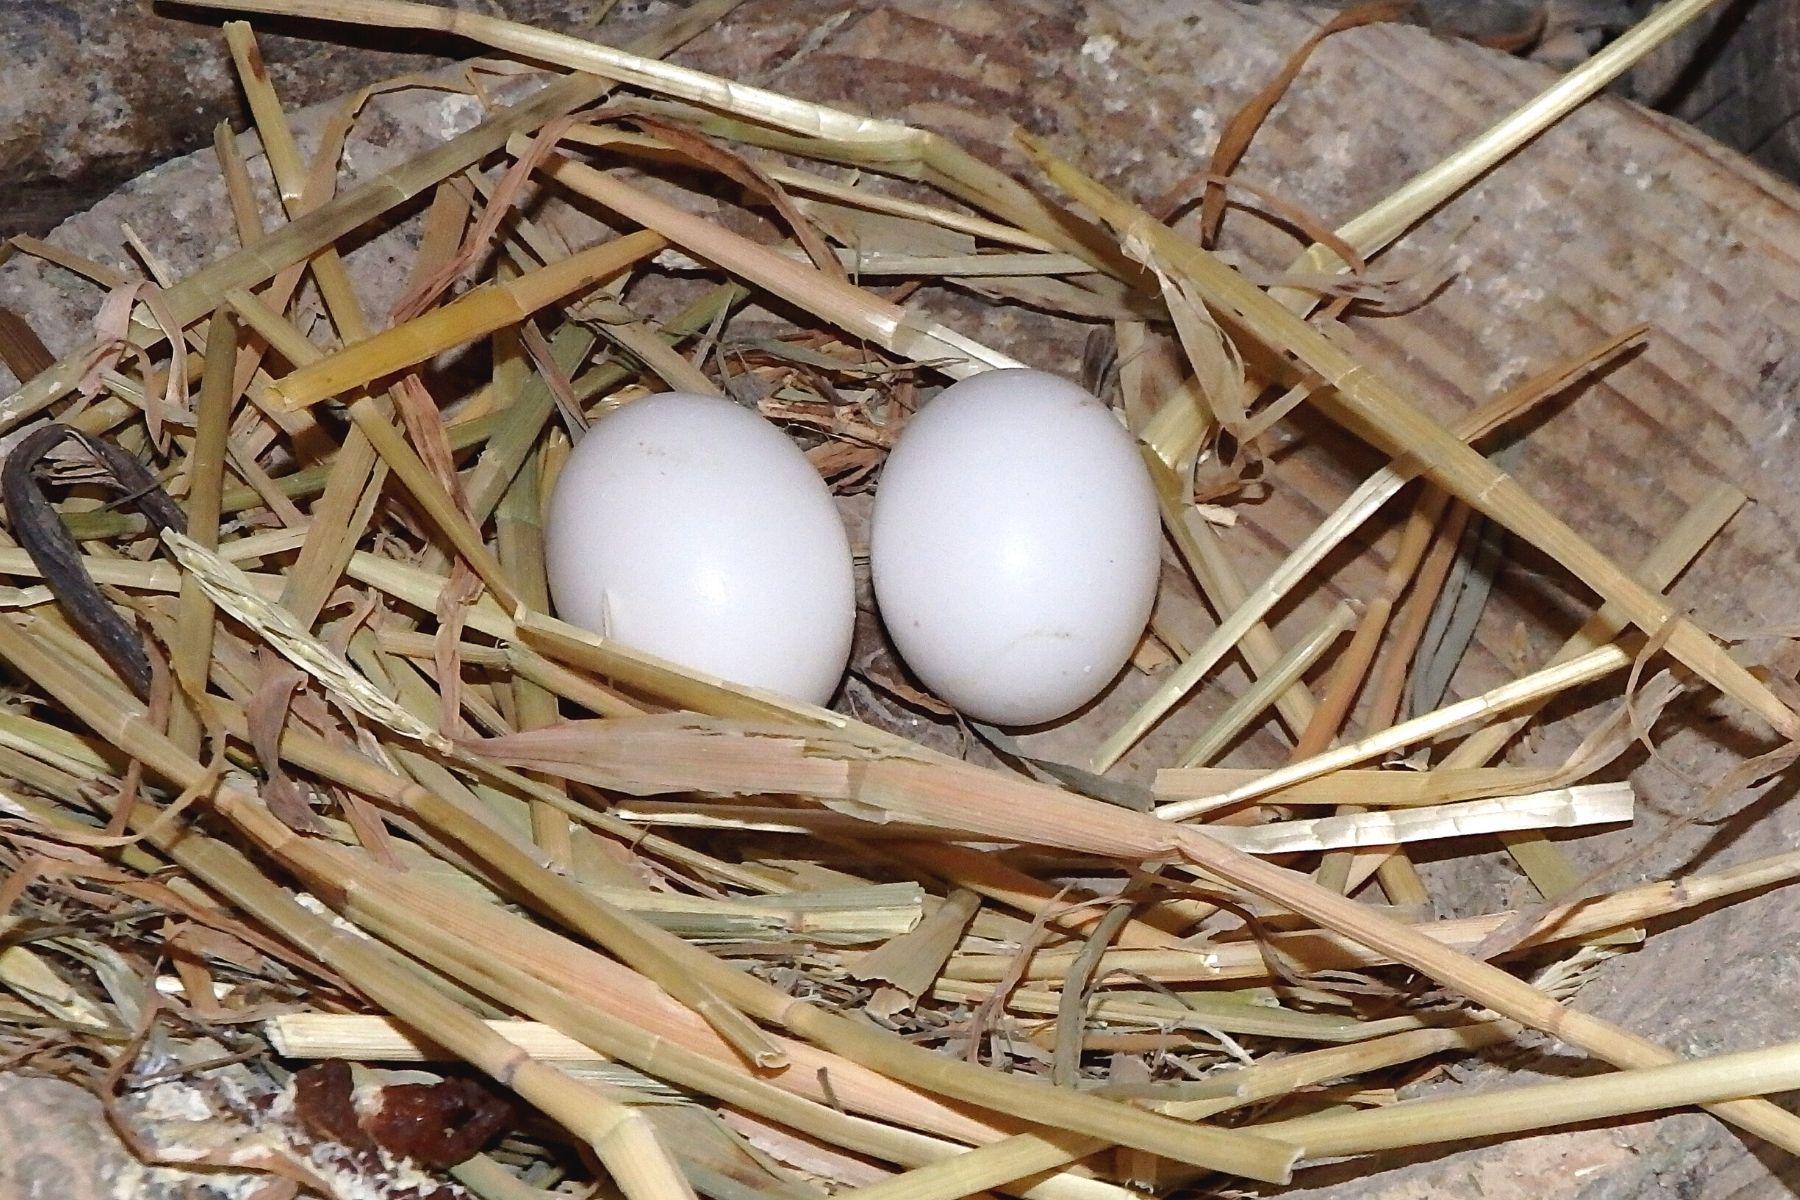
x=298 y=757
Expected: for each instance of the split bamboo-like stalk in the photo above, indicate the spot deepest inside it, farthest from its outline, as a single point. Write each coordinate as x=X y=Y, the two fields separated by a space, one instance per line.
x=1557 y=808
x=1537 y=687
x=1361 y=786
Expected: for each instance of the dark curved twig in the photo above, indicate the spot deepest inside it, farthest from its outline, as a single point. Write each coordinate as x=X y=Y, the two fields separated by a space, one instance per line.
x=40 y=531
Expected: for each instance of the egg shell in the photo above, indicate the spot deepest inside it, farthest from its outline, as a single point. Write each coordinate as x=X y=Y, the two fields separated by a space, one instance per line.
x=690 y=528
x=1015 y=546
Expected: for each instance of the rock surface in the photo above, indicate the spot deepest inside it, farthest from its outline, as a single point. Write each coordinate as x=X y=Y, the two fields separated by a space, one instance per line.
x=55 y=1141
x=1615 y=217
x=99 y=90
x=1736 y=76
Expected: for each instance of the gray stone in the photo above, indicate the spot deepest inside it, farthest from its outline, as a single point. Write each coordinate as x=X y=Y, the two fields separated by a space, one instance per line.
x=1735 y=73
x=97 y=91
x=55 y=1142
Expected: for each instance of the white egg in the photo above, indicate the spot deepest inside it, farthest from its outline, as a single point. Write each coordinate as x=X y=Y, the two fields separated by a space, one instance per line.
x=1015 y=546
x=691 y=528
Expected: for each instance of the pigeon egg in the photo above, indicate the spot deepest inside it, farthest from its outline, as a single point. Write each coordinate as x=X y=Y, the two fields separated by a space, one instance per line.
x=1015 y=546
x=690 y=528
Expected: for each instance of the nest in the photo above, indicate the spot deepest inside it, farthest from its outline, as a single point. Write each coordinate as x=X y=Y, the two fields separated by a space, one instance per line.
x=299 y=758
